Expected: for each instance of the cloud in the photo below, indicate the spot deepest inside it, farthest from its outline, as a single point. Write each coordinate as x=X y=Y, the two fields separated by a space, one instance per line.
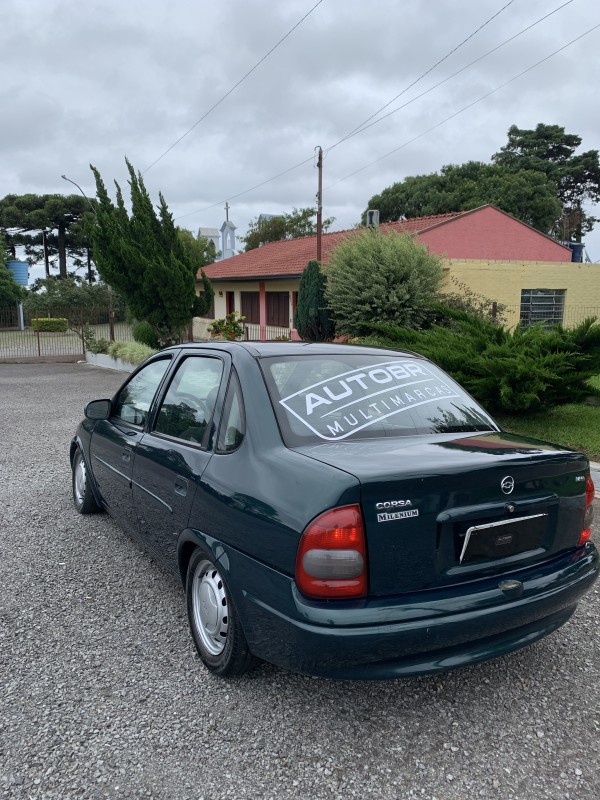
x=98 y=81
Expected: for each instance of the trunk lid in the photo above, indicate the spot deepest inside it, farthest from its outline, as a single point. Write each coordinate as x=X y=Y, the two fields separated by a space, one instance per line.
x=446 y=509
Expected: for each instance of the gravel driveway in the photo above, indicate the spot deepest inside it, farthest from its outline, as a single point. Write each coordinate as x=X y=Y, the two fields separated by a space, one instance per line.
x=104 y=697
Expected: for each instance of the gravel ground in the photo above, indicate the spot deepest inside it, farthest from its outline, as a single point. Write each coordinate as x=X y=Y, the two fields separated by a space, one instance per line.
x=104 y=697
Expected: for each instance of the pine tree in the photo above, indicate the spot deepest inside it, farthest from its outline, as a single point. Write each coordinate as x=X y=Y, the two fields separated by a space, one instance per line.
x=312 y=319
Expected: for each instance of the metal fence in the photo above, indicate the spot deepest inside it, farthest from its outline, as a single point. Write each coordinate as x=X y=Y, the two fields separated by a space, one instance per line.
x=19 y=340
x=265 y=333
x=568 y=316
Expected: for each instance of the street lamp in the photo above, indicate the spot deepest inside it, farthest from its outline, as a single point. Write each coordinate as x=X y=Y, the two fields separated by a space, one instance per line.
x=111 y=313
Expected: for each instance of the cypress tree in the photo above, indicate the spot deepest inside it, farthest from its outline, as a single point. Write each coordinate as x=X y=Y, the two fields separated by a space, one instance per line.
x=142 y=256
x=312 y=319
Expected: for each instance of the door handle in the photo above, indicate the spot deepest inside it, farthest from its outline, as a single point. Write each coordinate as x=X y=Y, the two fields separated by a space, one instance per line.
x=181 y=485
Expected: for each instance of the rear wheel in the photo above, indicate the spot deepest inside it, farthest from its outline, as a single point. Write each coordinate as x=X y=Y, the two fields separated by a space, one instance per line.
x=83 y=497
x=213 y=619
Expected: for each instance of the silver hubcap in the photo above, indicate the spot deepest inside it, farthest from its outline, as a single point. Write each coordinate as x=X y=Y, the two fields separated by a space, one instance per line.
x=210 y=608
x=80 y=480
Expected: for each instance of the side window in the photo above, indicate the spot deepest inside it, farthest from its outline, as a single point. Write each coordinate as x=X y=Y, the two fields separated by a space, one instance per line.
x=135 y=398
x=233 y=422
x=189 y=403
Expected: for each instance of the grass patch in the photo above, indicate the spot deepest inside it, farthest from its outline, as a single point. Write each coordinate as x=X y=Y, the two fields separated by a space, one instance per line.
x=574 y=426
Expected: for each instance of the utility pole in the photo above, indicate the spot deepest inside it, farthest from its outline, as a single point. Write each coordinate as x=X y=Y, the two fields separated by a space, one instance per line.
x=320 y=203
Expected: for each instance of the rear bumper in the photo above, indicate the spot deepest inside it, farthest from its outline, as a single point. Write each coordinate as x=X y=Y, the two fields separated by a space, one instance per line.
x=407 y=635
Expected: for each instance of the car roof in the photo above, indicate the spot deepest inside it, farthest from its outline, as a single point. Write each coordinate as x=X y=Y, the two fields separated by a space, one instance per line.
x=267 y=349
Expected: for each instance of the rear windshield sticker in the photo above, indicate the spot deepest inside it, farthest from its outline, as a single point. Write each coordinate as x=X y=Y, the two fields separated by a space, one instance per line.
x=338 y=407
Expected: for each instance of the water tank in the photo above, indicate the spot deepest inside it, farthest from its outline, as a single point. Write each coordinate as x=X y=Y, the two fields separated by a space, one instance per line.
x=577 y=249
x=20 y=271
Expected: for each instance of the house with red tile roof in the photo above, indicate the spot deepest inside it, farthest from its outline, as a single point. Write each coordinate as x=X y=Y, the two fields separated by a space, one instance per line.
x=486 y=249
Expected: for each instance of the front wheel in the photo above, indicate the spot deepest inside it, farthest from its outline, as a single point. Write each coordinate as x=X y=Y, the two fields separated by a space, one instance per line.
x=213 y=619
x=83 y=497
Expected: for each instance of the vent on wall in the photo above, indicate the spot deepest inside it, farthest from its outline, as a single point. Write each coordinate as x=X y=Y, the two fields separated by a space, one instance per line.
x=372 y=218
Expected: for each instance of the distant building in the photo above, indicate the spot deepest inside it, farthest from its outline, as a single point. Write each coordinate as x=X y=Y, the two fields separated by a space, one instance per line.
x=212 y=234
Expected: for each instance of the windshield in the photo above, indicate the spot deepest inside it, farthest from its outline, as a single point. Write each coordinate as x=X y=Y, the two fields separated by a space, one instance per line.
x=336 y=397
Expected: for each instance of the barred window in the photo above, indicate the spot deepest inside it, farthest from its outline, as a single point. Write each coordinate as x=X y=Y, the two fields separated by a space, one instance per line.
x=542 y=305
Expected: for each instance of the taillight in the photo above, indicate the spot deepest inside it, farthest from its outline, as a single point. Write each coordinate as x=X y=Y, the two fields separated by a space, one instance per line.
x=589 y=512
x=332 y=559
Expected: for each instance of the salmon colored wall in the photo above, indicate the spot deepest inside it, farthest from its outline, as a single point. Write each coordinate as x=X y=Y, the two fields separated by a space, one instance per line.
x=490 y=234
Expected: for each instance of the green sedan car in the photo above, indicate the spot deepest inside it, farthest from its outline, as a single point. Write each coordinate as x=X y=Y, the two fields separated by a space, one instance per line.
x=337 y=510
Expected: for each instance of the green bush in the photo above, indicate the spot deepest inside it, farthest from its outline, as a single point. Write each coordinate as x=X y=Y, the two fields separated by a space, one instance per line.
x=381 y=276
x=144 y=333
x=131 y=352
x=526 y=369
x=49 y=324
x=100 y=345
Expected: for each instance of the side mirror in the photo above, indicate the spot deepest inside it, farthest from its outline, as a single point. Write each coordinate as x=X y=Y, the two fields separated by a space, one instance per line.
x=98 y=409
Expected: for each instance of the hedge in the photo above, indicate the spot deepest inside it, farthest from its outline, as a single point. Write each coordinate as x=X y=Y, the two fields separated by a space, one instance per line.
x=50 y=324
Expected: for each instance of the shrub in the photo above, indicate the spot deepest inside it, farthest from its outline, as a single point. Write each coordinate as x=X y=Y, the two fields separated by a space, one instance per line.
x=49 y=324
x=512 y=371
x=229 y=328
x=131 y=352
x=383 y=277
x=312 y=319
x=144 y=333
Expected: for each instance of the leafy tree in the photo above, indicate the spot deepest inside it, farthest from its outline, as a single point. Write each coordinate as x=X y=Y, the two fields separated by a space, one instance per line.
x=47 y=294
x=283 y=226
x=522 y=370
x=529 y=195
x=10 y=291
x=381 y=277
x=66 y=218
x=201 y=251
x=550 y=150
x=312 y=319
x=80 y=303
x=142 y=256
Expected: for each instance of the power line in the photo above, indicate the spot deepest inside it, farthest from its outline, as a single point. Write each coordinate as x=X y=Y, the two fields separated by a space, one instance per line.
x=364 y=127
x=233 y=88
x=361 y=129
x=420 y=78
x=247 y=191
x=465 y=108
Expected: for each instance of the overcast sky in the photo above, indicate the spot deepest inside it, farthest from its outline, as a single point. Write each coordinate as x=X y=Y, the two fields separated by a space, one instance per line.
x=94 y=82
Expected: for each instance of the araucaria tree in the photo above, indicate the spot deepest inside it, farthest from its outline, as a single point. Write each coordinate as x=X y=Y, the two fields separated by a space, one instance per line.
x=312 y=319
x=142 y=256
x=383 y=277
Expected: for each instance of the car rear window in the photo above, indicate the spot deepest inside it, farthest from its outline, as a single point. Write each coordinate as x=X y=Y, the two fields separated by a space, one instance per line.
x=332 y=398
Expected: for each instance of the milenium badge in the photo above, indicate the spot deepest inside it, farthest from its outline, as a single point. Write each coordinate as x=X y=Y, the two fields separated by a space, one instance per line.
x=390 y=516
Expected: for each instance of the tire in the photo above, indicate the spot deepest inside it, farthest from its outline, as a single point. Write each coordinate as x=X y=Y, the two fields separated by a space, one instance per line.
x=213 y=619
x=83 y=497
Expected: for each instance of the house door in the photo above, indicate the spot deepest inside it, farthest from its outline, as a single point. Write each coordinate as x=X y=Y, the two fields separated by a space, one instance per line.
x=250 y=307
x=278 y=309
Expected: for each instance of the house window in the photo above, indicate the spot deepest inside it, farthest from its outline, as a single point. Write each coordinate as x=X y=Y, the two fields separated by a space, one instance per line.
x=250 y=307
x=278 y=309
x=229 y=302
x=542 y=305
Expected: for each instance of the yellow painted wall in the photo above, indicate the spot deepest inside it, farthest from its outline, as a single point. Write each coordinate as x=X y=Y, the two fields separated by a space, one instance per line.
x=502 y=281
